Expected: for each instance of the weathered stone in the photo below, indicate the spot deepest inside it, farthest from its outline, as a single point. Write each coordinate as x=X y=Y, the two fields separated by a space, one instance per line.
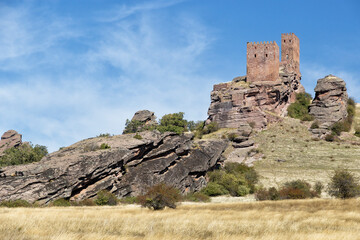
x=128 y=168
x=330 y=103
x=239 y=104
x=145 y=116
x=245 y=144
x=10 y=139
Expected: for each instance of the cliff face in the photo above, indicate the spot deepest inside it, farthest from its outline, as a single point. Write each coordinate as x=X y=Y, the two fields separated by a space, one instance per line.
x=131 y=165
x=238 y=101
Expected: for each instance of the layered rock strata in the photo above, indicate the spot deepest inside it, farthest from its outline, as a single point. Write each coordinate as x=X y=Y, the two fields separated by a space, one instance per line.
x=10 y=139
x=128 y=168
x=237 y=102
x=330 y=103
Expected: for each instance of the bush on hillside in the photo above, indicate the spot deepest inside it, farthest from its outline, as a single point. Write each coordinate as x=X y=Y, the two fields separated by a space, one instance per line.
x=196 y=197
x=173 y=122
x=343 y=185
x=297 y=189
x=314 y=125
x=132 y=126
x=234 y=179
x=61 y=202
x=357 y=131
x=104 y=146
x=15 y=203
x=160 y=196
x=299 y=109
x=105 y=197
x=345 y=125
x=23 y=154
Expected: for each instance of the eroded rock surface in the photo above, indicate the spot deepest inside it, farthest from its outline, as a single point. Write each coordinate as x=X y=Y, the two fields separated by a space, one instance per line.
x=238 y=101
x=126 y=169
x=10 y=139
x=330 y=103
x=145 y=116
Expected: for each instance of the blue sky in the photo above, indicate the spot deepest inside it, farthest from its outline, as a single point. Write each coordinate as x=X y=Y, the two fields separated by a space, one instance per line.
x=70 y=70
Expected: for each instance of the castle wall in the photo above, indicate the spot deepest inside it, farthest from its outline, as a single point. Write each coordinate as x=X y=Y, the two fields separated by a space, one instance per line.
x=290 y=53
x=262 y=61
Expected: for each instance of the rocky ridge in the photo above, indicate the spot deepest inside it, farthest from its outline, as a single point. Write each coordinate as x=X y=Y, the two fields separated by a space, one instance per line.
x=237 y=102
x=128 y=168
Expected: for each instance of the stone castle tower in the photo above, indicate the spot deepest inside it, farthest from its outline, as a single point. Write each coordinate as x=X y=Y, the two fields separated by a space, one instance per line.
x=263 y=59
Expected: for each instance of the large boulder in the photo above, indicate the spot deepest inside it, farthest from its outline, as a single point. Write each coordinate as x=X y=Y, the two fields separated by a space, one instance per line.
x=128 y=168
x=9 y=139
x=145 y=116
x=330 y=103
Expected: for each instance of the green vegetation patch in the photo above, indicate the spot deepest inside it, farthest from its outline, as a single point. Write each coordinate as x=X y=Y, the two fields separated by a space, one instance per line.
x=300 y=108
x=25 y=153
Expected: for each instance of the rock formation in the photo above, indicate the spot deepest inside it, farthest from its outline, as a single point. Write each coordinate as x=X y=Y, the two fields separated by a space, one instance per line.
x=145 y=116
x=10 y=139
x=237 y=102
x=330 y=103
x=131 y=165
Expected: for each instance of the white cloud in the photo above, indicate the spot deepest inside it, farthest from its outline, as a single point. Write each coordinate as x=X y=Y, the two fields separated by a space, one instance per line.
x=59 y=97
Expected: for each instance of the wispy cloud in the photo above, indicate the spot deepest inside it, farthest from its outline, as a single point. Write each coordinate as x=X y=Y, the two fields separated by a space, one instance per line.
x=59 y=96
x=124 y=11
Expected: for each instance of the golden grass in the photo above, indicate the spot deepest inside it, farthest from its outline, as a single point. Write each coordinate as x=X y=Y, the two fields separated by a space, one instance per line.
x=301 y=219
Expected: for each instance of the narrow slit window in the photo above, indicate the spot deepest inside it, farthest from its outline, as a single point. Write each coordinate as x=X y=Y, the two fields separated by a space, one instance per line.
x=255 y=55
x=284 y=40
x=266 y=55
x=287 y=56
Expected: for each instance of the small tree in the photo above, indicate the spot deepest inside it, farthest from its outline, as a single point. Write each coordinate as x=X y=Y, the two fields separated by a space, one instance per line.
x=160 y=196
x=343 y=185
x=173 y=122
x=132 y=126
x=105 y=197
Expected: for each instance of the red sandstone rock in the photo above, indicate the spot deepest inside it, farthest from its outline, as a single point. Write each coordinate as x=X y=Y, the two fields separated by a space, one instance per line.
x=10 y=139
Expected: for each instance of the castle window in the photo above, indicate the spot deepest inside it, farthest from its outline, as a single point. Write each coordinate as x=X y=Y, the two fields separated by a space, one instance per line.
x=255 y=55
x=290 y=40
x=284 y=40
x=266 y=55
x=287 y=56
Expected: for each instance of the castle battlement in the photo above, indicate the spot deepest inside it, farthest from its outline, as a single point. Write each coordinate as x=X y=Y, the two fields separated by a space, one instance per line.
x=263 y=58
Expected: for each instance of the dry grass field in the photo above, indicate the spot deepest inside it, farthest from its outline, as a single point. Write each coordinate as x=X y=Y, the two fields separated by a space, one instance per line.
x=290 y=153
x=301 y=219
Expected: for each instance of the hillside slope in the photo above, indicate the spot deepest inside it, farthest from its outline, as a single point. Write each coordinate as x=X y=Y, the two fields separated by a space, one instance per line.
x=290 y=152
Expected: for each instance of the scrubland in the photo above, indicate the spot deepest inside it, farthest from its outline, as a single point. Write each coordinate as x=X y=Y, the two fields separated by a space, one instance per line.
x=291 y=219
x=289 y=152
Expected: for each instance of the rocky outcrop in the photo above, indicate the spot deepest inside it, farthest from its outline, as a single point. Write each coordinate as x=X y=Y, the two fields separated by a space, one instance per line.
x=330 y=103
x=145 y=116
x=237 y=102
x=10 y=139
x=128 y=168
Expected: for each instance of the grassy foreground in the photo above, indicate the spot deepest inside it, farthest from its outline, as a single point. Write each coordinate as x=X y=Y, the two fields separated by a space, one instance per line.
x=301 y=219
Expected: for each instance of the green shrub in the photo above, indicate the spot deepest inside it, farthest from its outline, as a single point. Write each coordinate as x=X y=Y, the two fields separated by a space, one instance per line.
x=138 y=136
x=104 y=135
x=160 y=196
x=214 y=189
x=15 y=203
x=351 y=102
x=234 y=179
x=315 y=125
x=343 y=185
x=105 y=197
x=173 y=122
x=132 y=126
x=197 y=197
x=297 y=189
x=242 y=190
x=61 y=202
x=211 y=127
x=91 y=147
x=23 y=154
x=341 y=126
x=104 y=146
x=299 y=109
x=273 y=194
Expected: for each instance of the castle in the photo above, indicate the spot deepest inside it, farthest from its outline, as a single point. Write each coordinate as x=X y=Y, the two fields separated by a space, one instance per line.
x=263 y=59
